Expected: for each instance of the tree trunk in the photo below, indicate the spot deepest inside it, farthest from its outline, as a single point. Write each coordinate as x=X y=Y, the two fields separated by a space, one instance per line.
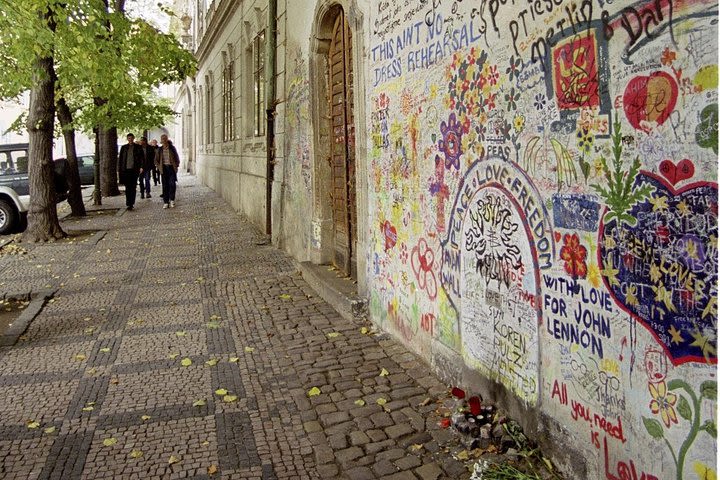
x=43 y=224
x=108 y=161
x=73 y=175
x=97 y=197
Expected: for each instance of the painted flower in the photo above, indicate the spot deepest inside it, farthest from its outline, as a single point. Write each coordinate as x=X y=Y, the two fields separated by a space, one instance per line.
x=594 y=276
x=421 y=260
x=451 y=143
x=512 y=98
x=514 y=69
x=519 y=123
x=585 y=140
x=574 y=254
x=489 y=102
x=668 y=56
x=663 y=402
x=540 y=102
x=493 y=76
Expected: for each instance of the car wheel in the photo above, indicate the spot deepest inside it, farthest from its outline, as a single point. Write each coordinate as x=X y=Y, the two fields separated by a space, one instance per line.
x=8 y=217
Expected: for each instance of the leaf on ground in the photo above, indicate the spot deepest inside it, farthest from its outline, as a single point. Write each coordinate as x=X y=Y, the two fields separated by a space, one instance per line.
x=249 y=349
x=360 y=402
x=234 y=359
x=88 y=409
x=199 y=403
x=313 y=392
x=92 y=371
x=173 y=459
x=381 y=401
x=425 y=402
x=364 y=330
x=463 y=455
x=90 y=404
x=136 y=454
x=181 y=333
x=205 y=443
x=213 y=324
x=229 y=398
x=212 y=362
x=186 y=362
x=285 y=296
x=146 y=417
x=416 y=447
x=33 y=424
x=114 y=381
x=104 y=350
x=333 y=334
x=49 y=430
x=108 y=442
x=80 y=357
x=221 y=391
x=89 y=330
x=214 y=317
x=212 y=469
x=384 y=373
x=173 y=356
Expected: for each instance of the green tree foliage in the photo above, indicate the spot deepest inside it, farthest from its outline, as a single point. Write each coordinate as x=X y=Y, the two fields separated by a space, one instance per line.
x=106 y=65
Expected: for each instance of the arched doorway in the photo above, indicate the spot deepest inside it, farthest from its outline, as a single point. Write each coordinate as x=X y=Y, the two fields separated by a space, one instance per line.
x=342 y=149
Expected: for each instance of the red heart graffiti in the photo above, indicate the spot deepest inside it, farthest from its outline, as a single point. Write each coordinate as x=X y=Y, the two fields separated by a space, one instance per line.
x=677 y=173
x=390 y=235
x=650 y=98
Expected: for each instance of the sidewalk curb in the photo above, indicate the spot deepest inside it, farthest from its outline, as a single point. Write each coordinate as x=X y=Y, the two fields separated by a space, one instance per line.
x=19 y=326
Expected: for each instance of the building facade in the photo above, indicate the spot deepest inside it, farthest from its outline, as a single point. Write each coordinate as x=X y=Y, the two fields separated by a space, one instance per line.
x=525 y=193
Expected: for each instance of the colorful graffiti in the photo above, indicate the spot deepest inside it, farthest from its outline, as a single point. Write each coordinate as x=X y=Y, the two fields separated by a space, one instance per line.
x=544 y=177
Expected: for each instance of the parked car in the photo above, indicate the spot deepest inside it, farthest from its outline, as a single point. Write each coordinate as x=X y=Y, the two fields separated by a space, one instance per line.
x=15 y=187
x=86 y=167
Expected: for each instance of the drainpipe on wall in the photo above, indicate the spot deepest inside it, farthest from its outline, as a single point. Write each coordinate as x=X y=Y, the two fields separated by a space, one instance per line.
x=271 y=51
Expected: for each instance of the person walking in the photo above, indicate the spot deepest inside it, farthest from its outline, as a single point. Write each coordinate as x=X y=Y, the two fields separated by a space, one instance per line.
x=148 y=167
x=155 y=172
x=130 y=166
x=168 y=162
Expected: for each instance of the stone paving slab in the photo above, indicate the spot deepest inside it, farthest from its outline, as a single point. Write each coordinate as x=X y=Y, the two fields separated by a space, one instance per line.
x=97 y=387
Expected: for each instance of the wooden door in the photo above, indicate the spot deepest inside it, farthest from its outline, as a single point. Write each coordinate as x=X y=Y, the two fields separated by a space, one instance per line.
x=342 y=160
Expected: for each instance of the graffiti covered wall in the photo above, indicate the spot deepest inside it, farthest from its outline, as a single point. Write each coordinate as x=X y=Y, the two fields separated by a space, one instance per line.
x=544 y=203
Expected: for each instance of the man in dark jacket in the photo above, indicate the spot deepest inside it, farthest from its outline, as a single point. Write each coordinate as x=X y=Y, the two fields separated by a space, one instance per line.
x=147 y=167
x=130 y=166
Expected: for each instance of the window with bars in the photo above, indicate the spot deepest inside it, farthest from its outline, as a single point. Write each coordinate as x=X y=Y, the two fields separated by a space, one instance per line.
x=228 y=102
x=258 y=69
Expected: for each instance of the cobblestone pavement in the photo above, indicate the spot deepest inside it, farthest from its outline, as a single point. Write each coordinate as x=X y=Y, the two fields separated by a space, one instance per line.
x=155 y=313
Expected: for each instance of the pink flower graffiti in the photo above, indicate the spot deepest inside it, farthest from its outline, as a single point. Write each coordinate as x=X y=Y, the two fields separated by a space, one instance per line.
x=421 y=260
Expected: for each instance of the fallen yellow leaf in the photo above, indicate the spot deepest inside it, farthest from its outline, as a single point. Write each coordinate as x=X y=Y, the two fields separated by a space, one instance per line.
x=146 y=417
x=88 y=409
x=313 y=392
x=229 y=398
x=212 y=469
x=80 y=357
x=173 y=459
x=49 y=430
x=360 y=402
x=285 y=296
x=173 y=356
x=136 y=454
x=181 y=333
x=212 y=362
x=105 y=350
x=364 y=330
x=108 y=442
x=333 y=334
x=186 y=362
x=221 y=391
x=33 y=425
x=463 y=455
x=384 y=373
x=199 y=403
x=249 y=349
x=381 y=401
x=234 y=359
